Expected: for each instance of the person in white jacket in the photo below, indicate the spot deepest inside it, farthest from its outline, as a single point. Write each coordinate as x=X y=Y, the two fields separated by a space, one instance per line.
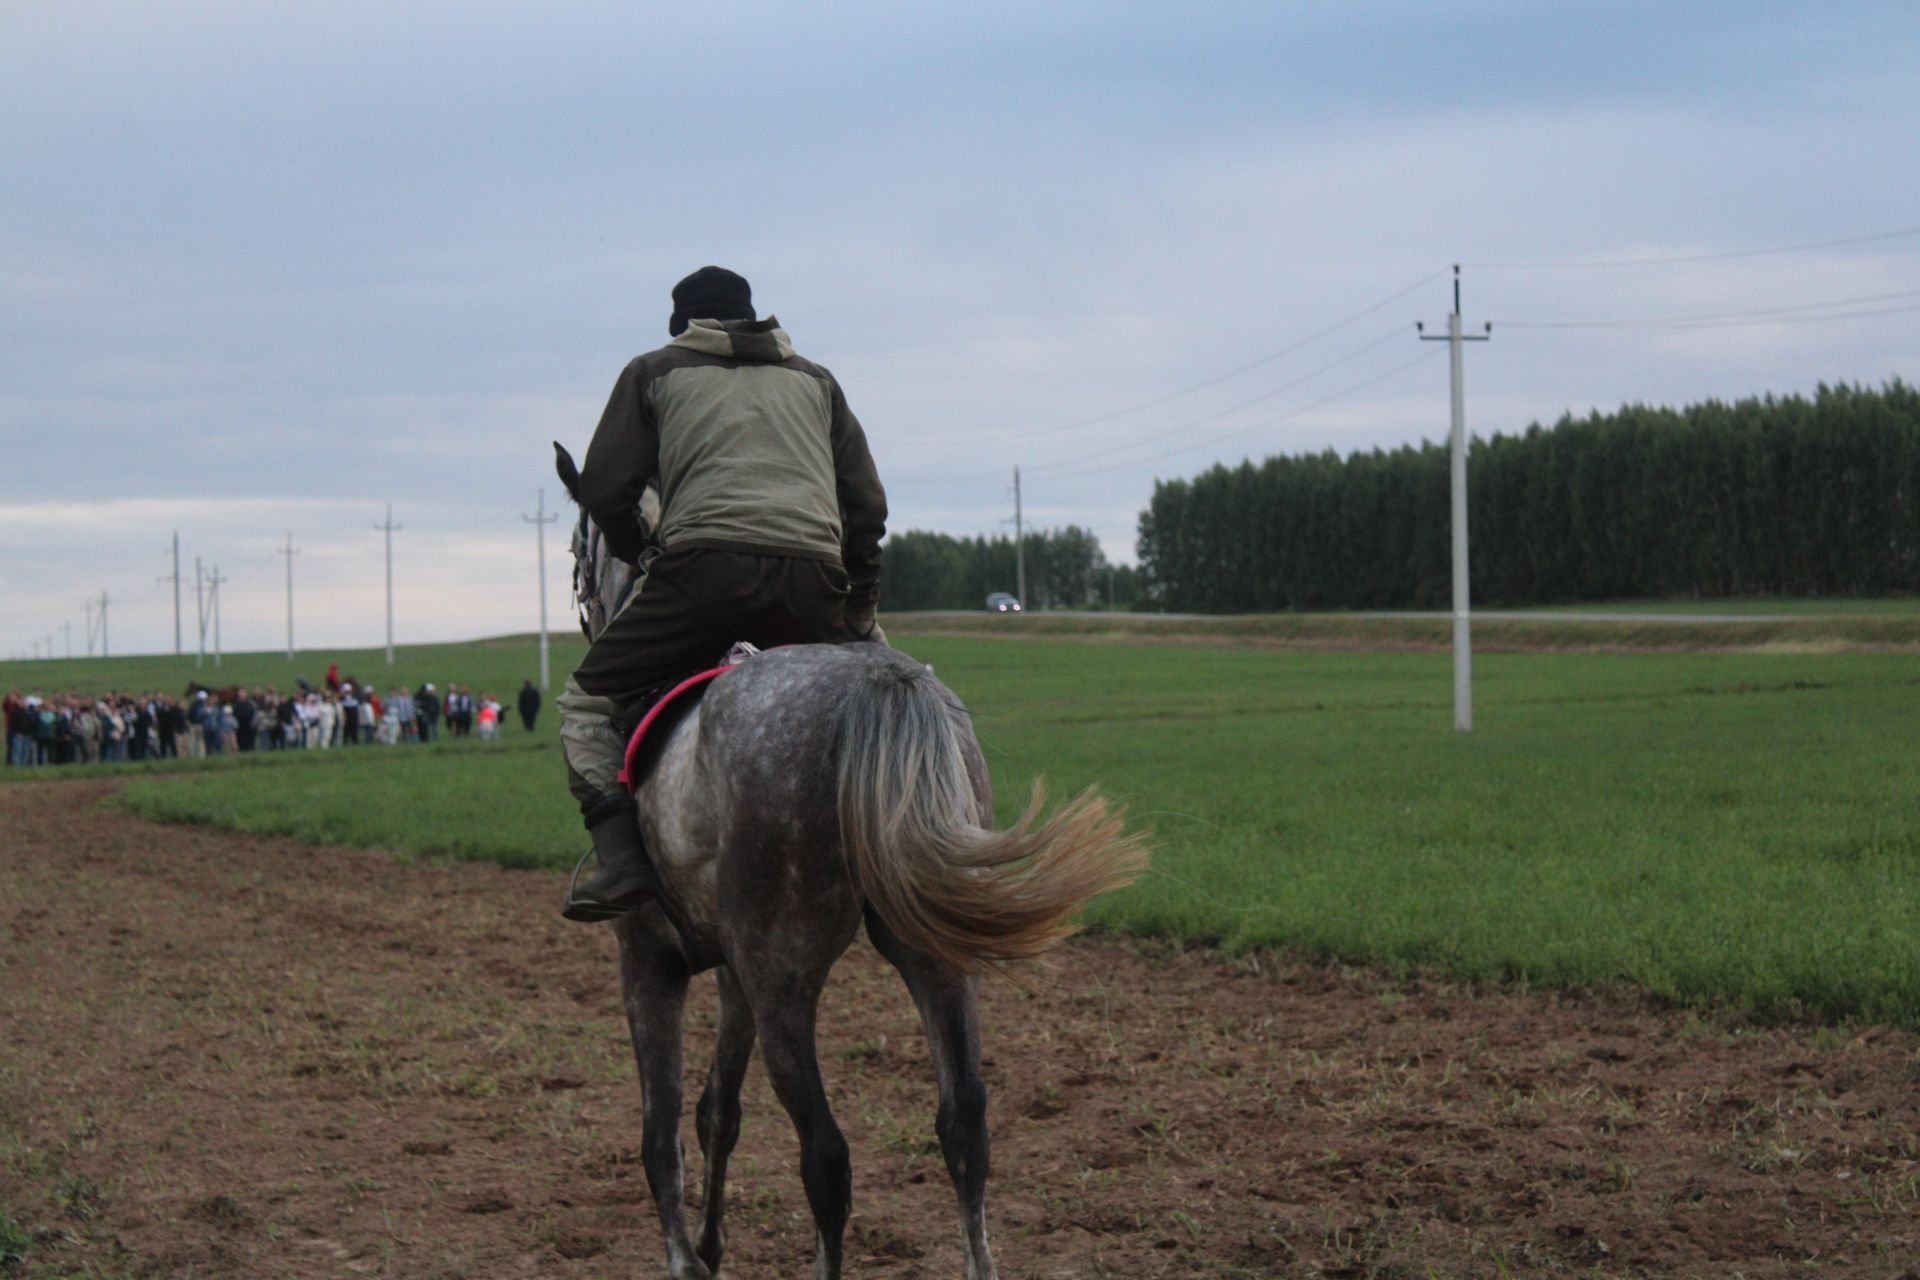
x=327 y=718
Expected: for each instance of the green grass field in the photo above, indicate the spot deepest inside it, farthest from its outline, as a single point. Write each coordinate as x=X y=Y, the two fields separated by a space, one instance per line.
x=1756 y=606
x=1650 y=627
x=1723 y=827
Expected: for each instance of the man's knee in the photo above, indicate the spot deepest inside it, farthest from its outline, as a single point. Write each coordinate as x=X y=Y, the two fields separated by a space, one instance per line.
x=590 y=740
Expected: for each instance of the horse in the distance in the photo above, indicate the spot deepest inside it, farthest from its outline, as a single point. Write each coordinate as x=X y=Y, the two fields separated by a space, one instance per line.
x=814 y=788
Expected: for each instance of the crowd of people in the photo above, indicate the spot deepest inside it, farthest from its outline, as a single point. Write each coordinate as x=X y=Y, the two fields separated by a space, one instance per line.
x=73 y=728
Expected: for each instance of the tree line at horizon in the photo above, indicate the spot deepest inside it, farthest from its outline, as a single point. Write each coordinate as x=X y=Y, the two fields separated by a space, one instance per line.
x=1066 y=569
x=1788 y=496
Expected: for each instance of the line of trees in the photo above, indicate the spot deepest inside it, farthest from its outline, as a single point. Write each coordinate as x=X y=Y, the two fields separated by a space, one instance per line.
x=1066 y=569
x=1769 y=496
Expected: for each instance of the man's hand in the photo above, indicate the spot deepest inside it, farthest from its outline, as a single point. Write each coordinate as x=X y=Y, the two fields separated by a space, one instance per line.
x=861 y=626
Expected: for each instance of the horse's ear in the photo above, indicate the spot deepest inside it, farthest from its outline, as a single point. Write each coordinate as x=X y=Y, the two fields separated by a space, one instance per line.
x=569 y=474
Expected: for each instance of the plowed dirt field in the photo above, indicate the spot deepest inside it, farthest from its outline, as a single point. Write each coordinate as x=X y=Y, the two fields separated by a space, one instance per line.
x=231 y=1056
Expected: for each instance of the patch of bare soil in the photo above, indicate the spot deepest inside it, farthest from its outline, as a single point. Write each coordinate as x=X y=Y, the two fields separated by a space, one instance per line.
x=229 y=1056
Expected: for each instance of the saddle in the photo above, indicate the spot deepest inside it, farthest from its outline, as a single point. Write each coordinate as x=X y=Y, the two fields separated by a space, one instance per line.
x=665 y=705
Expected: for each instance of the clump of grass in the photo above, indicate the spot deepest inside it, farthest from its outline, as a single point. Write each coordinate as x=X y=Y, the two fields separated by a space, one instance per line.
x=14 y=1240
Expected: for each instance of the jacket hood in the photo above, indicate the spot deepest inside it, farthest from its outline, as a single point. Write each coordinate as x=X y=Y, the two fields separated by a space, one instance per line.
x=759 y=340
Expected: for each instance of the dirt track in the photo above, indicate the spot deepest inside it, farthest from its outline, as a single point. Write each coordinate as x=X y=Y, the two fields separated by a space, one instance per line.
x=227 y=1056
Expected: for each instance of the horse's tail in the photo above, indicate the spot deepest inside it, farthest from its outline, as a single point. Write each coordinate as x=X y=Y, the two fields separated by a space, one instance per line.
x=918 y=845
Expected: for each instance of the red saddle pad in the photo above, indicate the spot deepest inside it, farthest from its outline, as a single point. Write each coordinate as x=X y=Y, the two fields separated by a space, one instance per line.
x=625 y=776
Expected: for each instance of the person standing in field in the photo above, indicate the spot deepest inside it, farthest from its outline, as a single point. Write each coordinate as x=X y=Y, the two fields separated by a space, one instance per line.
x=426 y=711
x=529 y=705
x=229 y=729
x=771 y=514
x=197 y=726
x=247 y=712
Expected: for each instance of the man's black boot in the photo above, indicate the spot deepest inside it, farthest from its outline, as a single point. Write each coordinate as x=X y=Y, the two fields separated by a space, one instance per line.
x=625 y=880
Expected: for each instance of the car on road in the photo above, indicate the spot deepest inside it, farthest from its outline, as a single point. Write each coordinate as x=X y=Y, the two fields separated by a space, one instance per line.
x=1002 y=602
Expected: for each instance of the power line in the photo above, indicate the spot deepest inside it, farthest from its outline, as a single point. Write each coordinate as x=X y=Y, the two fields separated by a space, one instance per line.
x=1217 y=379
x=1047 y=468
x=1674 y=260
x=1790 y=313
x=1269 y=422
x=1399 y=332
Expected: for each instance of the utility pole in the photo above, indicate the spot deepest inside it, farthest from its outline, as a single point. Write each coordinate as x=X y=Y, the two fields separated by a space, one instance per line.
x=213 y=581
x=200 y=612
x=289 y=551
x=174 y=578
x=103 y=622
x=67 y=626
x=389 y=528
x=1462 y=624
x=1019 y=545
x=89 y=626
x=540 y=520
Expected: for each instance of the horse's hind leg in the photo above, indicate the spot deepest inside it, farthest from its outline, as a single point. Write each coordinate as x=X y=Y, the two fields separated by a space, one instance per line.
x=784 y=1008
x=949 y=1011
x=653 y=980
x=718 y=1118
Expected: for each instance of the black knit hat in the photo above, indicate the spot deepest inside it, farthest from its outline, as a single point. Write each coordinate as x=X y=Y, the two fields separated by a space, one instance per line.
x=711 y=293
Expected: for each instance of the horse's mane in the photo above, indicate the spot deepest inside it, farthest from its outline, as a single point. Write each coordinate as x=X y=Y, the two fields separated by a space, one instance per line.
x=602 y=581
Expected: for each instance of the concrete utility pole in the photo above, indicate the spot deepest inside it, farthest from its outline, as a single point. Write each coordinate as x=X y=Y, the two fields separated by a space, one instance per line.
x=213 y=581
x=89 y=626
x=1019 y=545
x=389 y=528
x=174 y=578
x=67 y=626
x=289 y=551
x=1462 y=624
x=200 y=612
x=540 y=520
x=103 y=622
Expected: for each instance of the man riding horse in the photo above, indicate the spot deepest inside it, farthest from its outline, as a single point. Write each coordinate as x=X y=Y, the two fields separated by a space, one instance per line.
x=771 y=514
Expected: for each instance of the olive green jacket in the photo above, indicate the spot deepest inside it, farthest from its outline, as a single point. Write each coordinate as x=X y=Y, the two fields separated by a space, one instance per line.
x=754 y=449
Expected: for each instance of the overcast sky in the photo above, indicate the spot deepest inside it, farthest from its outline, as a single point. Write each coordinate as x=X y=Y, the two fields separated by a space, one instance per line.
x=265 y=268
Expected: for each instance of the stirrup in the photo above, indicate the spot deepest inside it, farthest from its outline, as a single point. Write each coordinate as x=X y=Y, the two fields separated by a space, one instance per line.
x=587 y=912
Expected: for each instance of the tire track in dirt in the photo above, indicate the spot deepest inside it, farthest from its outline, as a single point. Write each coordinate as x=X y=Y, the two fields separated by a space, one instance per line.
x=234 y=1056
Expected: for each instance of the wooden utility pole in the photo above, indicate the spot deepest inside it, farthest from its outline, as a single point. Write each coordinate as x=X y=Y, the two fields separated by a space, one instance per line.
x=389 y=528
x=1462 y=623
x=1019 y=546
x=540 y=520
x=174 y=578
x=289 y=551
x=213 y=581
x=200 y=612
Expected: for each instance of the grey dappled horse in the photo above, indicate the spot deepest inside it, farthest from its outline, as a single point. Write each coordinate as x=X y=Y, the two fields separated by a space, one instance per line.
x=815 y=787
